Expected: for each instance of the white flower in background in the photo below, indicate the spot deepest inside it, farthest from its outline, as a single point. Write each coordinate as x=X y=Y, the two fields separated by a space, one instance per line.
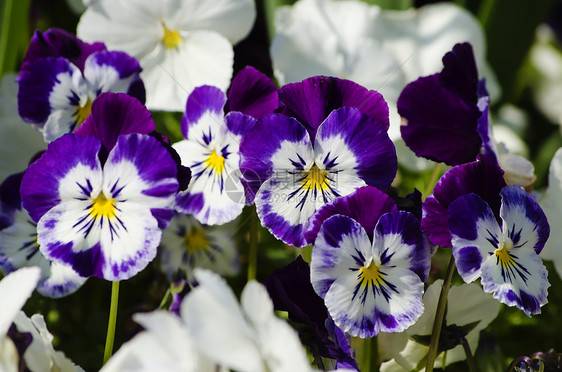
x=245 y=337
x=18 y=140
x=180 y=44
x=551 y=204
x=469 y=310
x=15 y=289
x=378 y=49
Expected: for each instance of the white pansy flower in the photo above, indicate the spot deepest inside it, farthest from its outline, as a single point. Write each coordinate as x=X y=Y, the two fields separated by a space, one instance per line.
x=180 y=44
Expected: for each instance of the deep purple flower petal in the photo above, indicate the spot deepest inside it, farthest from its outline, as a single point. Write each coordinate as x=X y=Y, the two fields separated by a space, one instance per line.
x=252 y=93
x=365 y=206
x=438 y=124
x=114 y=114
x=313 y=99
x=58 y=43
x=482 y=177
x=459 y=73
x=204 y=100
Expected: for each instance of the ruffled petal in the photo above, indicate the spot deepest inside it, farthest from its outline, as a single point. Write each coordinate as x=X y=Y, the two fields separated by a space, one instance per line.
x=524 y=219
x=400 y=242
x=482 y=177
x=355 y=206
x=252 y=93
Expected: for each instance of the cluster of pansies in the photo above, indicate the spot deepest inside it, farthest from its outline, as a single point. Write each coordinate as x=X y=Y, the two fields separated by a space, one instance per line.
x=116 y=194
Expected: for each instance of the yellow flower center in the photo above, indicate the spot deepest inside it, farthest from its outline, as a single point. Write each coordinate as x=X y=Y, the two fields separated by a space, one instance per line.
x=315 y=179
x=103 y=207
x=171 y=38
x=502 y=252
x=370 y=274
x=216 y=162
x=195 y=240
x=82 y=112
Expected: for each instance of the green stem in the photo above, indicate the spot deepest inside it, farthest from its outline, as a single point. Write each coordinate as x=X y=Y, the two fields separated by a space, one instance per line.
x=433 y=180
x=5 y=31
x=165 y=299
x=253 y=249
x=439 y=315
x=369 y=354
x=469 y=357
x=111 y=323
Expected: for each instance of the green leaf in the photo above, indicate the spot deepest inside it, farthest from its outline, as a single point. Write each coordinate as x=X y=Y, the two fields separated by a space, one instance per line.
x=14 y=34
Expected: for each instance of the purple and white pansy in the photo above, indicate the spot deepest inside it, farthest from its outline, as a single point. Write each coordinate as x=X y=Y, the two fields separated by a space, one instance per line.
x=506 y=256
x=63 y=76
x=296 y=168
x=211 y=150
x=19 y=247
x=371 y=281
x=102 y=212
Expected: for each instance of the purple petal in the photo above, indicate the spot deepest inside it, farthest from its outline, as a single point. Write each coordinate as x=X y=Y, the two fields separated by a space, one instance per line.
x=365 y=206
x=482 y=177
x=459 y=73
x=239 y=123
x=40 y=184
x=204 y=99
x=252 y=93
x=439 y=125
x=261 y=142
x=58 y=43
x=114 y=114
x=533 y=226
x=313 y=99
x=99 y=65
x=36 y=85
x=368 y=141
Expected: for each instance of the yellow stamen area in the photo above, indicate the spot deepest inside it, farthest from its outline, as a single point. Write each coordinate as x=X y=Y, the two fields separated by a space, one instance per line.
x=103 y=207
x=215 y=162
x=195 y=240
x=370 y=274
x=315 y=179
x=82 y=112
x=171 y=38
x=502 y=252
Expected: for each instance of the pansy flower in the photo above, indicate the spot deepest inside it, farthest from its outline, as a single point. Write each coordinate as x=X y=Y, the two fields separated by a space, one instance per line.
x=100 y=203
x=211 y=150
x=62 y=76
x=19 y=247
x=180 y=44
x=505 y=256
x=300 y=166
x=371 y=282
x=186 y=244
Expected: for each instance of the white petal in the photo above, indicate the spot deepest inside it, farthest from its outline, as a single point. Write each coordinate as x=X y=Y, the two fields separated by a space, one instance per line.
x=15 y=289
x=202 y=58
x=552 y=206
x=518 y=170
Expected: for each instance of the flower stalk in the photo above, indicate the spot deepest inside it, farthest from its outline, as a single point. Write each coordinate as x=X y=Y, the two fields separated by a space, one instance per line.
x=112 y=322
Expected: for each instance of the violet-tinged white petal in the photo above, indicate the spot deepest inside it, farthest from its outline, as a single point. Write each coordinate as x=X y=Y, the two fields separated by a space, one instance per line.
x=313 y=99
x=524 y=219
x=58 y=43
x=475 y=234
x=204 y=100
x=252 y=93
x=41 y=183
x=115 y=71
x=365 y=206
x=114 y=114
x=400 y=241
x=482 y=177
x=438 y=124
x=348 y=130
x=256 y=162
